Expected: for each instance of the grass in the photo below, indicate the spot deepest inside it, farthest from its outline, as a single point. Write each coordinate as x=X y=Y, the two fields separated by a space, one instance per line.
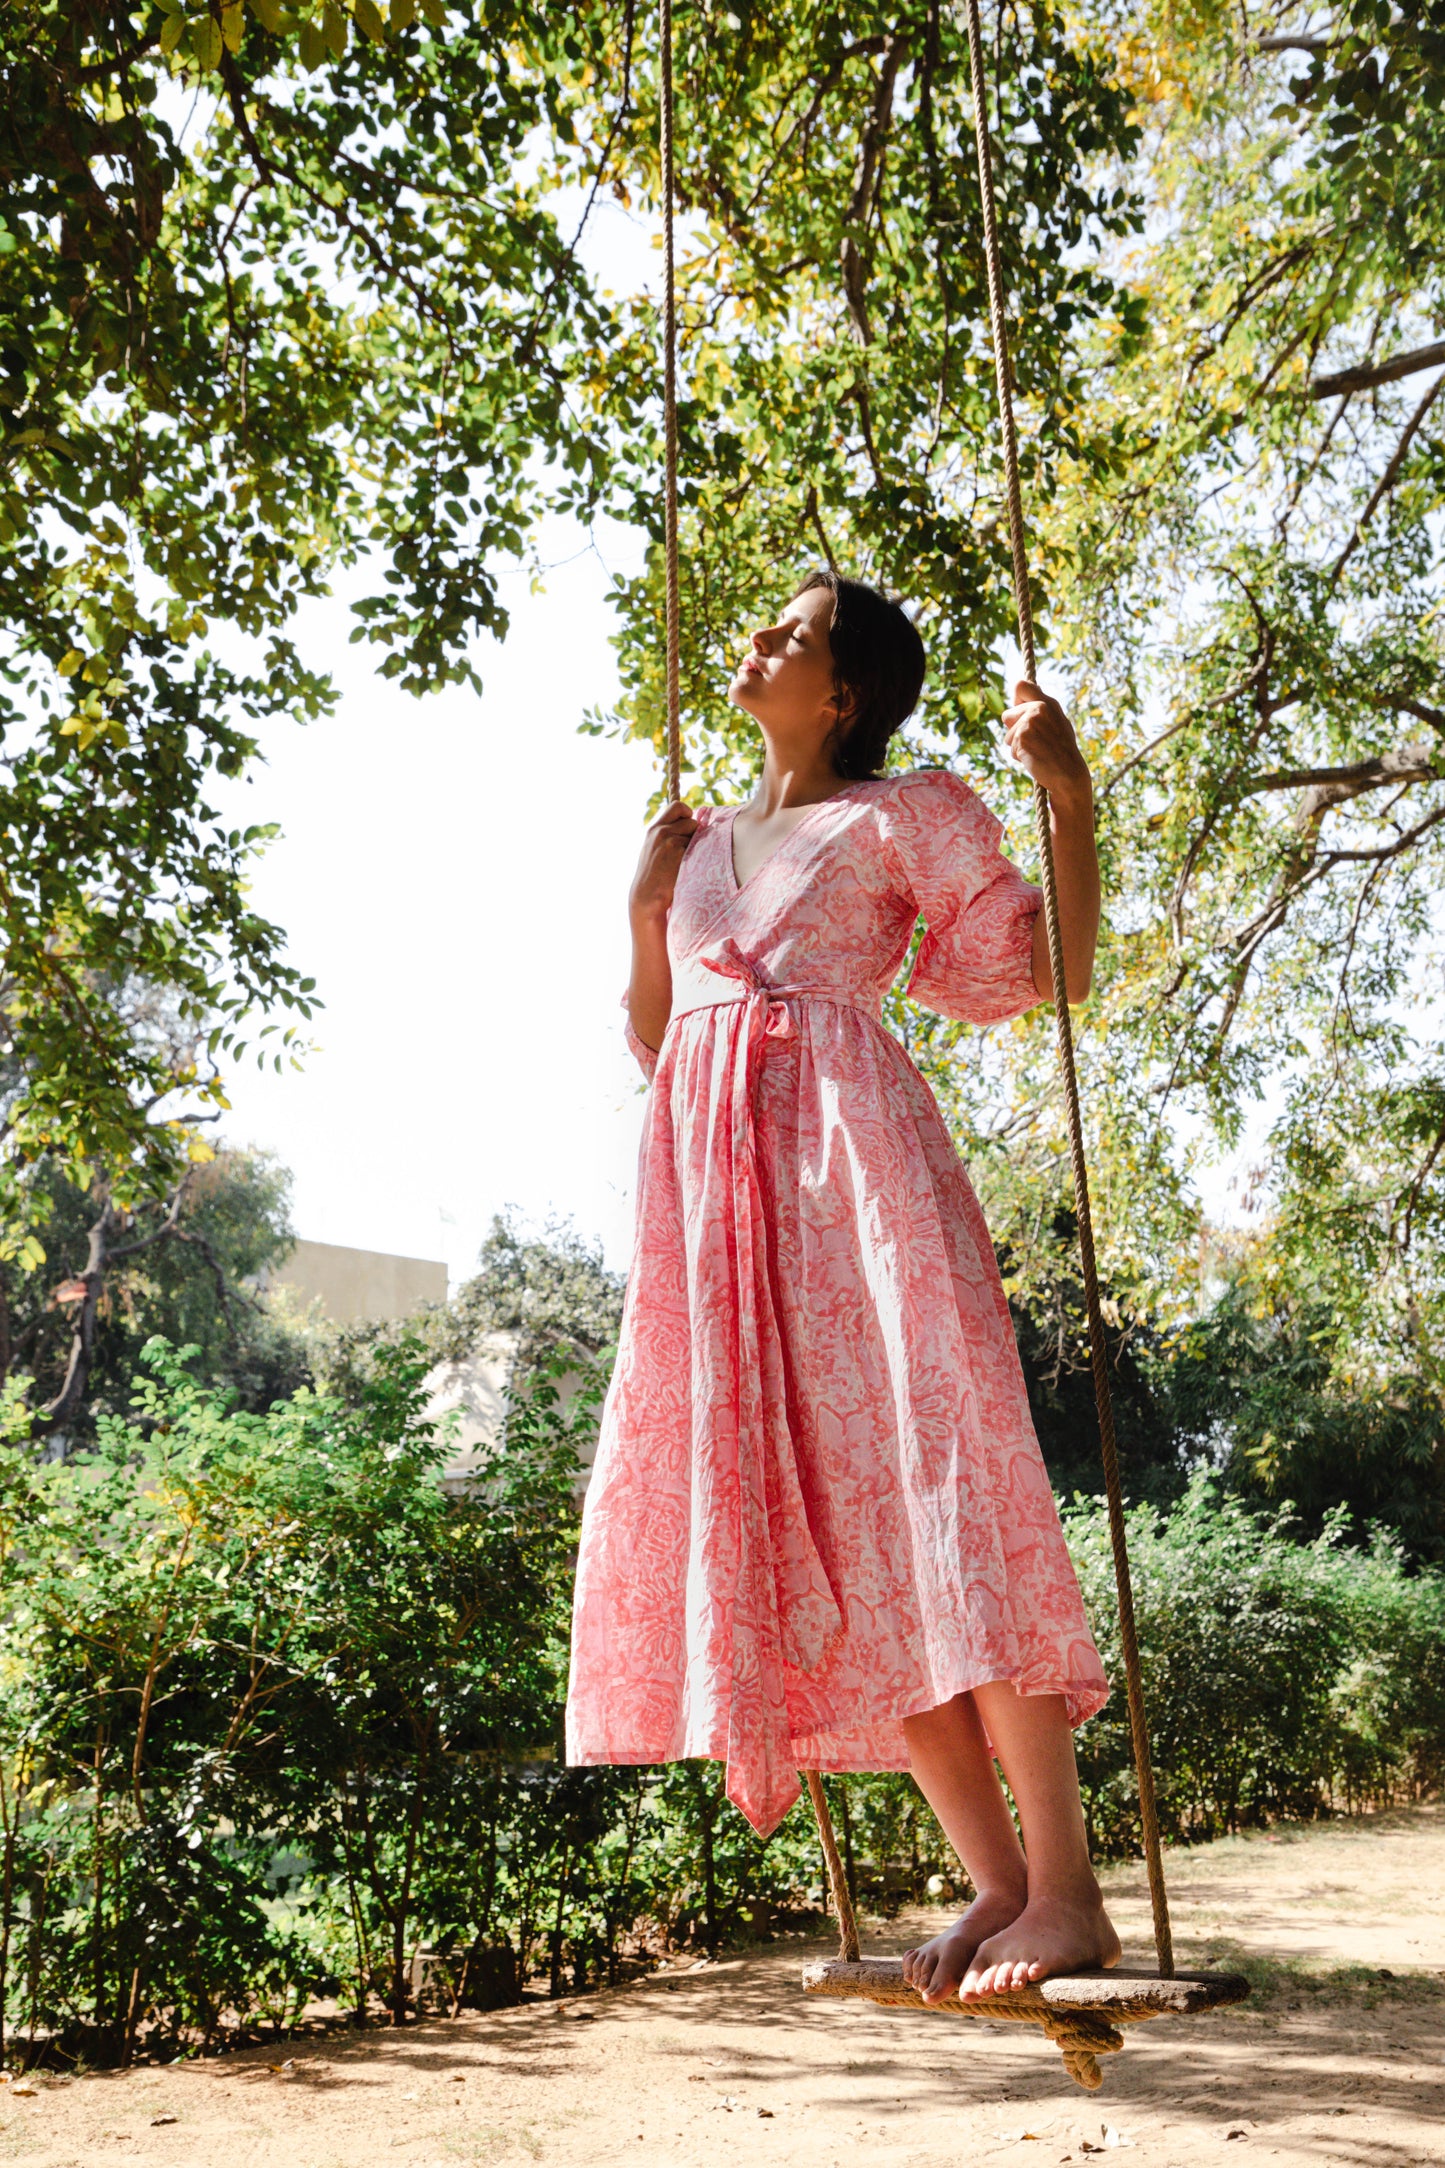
x=1292 y=1982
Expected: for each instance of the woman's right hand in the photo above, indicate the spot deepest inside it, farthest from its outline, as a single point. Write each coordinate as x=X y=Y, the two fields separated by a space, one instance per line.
x=656 y=875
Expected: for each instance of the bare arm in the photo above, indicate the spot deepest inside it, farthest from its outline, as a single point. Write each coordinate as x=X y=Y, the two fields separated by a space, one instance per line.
x=1041 y=739
x=649 y=990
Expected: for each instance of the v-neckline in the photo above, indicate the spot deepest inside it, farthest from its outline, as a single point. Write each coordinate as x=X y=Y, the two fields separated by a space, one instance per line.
x=740 y=888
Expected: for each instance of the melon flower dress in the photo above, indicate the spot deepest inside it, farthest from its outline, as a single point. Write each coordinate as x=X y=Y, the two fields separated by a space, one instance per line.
x=818 y=1504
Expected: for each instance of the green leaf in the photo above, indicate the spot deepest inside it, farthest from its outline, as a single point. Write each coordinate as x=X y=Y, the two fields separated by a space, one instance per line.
x=369 y=21
x=336 y=28
x=204 y=40
x=312 y=45
x=173 y=29
x=233 y=24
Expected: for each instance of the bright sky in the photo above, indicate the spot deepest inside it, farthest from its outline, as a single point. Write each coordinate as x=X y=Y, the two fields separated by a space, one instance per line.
x=454 y=871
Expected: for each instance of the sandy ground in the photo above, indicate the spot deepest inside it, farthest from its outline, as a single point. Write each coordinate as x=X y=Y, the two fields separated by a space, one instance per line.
x=727 y=2062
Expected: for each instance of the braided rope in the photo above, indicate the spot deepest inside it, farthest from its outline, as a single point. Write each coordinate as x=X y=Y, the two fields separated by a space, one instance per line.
x=669 y=424
x=1098 y=1351
x=842 y=1895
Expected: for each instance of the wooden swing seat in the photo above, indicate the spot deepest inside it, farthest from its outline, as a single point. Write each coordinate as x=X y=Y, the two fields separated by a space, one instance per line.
x=1081 y=2012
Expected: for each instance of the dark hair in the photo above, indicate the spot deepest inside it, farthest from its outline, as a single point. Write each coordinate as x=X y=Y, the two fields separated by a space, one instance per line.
x=878 y=667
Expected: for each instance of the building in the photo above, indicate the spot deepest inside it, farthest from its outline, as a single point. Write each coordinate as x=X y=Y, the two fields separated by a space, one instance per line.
x=353 y=1287
x=356 y=1287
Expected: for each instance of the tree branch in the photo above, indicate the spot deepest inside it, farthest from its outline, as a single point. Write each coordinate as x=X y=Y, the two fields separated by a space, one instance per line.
x=1380 y=372
x=1332 y=786
x=1389 y=478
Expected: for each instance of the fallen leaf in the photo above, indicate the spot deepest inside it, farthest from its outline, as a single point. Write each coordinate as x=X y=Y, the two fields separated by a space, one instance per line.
x=696 y=2078
x=765 y=2111
x=457 y=2078
x=583 y=2017
x=1114 y=2137
x=157 y=2120
x=1236 y=2134
x=25 y=2092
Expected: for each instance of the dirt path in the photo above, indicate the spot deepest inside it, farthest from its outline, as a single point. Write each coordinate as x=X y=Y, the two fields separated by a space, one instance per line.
x=727 y=2063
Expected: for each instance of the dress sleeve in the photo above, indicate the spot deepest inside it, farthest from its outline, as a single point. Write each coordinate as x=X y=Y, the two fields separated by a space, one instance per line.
x=644 y=1055
x=975 y=962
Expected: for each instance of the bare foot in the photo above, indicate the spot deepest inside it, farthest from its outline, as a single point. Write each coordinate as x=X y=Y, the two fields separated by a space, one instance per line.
x=935 y=1968
x=1050 y=1935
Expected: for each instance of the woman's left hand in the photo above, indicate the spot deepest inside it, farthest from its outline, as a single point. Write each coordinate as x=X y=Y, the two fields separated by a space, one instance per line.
x=1041 y=739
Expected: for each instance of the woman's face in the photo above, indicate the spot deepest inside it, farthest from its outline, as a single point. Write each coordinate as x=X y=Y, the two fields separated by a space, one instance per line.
x=785 y=681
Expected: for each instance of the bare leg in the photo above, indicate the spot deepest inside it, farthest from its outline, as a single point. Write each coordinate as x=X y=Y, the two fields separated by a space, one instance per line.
x=954 y=1769
x=1063 y=1926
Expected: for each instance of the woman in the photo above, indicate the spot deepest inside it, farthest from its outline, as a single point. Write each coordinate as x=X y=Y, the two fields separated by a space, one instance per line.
x=819 y=1532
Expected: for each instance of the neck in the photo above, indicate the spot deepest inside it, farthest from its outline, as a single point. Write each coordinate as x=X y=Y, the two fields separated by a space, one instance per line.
x=795 y=776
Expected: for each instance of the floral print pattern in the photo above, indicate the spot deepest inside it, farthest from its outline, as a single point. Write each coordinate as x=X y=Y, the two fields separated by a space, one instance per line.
x=818 y=1504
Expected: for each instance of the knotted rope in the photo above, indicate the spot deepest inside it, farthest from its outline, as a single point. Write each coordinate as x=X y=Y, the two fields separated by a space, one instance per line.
x=1098 y=1350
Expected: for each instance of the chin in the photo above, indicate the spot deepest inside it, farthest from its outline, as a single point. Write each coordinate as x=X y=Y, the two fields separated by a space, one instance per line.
x=740 y=692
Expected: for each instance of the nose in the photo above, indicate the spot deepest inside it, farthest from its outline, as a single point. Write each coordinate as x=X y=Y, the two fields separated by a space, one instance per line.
x=758 y=641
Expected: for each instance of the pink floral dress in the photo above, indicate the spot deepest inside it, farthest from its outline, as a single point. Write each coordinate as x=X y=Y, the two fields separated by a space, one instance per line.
x=818 y=1504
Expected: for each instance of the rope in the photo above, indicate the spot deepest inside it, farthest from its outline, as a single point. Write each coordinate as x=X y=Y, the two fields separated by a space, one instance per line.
x=842 y=1895
x=1098 y=1352
x=669 y=424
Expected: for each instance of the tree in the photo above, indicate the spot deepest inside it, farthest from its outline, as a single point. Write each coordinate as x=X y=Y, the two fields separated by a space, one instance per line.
x=277 y=299
x=75 y=1325
x=1254 y=622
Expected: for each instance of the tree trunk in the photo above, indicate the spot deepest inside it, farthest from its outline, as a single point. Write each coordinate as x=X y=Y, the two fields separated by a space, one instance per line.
x=709 y=1871
x=98 y=1928
x=7 y=1905
x=403 y=1904
x=554 y=1975
x=67 y=1402
x=102 y=1250
x=363 y=1954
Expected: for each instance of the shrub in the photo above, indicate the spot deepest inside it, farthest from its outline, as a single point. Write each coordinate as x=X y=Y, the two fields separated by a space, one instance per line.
x=280 y=1718
x=1282 y=1678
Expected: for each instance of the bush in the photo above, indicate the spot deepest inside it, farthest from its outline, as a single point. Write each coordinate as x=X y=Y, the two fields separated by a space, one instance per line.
x=280 y=1719
x=1282 y=1678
